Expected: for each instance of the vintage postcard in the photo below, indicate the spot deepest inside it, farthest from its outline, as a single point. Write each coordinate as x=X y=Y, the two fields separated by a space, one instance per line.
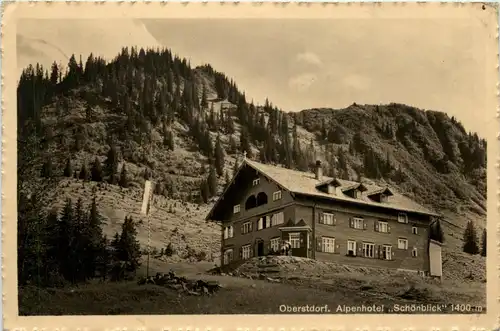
x=245 y=166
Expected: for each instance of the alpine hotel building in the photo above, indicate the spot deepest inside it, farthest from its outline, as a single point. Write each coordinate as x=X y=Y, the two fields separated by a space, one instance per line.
x=324 y=219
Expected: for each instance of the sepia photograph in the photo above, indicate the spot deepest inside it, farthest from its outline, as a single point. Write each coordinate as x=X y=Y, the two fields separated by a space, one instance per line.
x=176 y=166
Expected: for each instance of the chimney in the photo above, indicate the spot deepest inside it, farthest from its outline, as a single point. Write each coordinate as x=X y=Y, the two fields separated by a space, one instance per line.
x=318 y=171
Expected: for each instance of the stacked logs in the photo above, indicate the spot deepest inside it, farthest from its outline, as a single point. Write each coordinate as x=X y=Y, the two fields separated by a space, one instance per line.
x=182 y=284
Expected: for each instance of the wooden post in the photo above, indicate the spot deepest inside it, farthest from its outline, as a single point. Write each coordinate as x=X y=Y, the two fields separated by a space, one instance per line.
x=147 y=201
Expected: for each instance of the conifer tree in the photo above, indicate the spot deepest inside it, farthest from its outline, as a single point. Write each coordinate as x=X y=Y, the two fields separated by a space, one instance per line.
x=245 y=143
x=111 y=165
x=47 y=169
x=470 y=239
x=52 y=245
x=94 y=236
x=123 y=177
x=96 y=171
x=84 y=172
x=170 y=139
x=65 y=239
x=129 y=250
x=229 y=124
x=219 y=157
x=233 y=146
x=54 y=75
x=212 y=181
x=115 y=245
x=204 y=191
x=204 y=102
x=103 y=258
x=79 y=246
x=68 y=172
x=483 y=243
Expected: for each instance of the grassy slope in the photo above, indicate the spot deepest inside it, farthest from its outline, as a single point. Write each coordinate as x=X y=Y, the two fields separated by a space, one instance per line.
x=306 y=283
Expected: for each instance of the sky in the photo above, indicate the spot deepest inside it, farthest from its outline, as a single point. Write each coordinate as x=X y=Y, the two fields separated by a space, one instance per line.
x=428 y=63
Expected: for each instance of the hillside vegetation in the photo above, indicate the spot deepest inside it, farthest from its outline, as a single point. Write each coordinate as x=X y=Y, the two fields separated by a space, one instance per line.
x=99 y=130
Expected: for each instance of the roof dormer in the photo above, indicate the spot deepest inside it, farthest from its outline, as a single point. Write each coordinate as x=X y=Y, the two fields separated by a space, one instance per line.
x=330 y=186
x=355 y=190
x=381 y=195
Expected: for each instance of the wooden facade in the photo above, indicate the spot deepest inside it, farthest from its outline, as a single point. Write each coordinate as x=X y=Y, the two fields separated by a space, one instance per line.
x=257 y=214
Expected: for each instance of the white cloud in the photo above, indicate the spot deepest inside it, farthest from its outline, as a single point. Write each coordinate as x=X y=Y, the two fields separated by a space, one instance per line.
x=302 y=82
x=309 y=57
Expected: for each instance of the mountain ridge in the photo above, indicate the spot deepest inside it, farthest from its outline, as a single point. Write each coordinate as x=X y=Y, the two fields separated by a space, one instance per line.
x=171 y=122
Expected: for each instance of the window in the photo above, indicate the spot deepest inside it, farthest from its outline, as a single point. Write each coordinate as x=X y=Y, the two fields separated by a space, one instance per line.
x=351 y=248
x=383 y=227
x=228 y=256
x=275 y=244
x=261 y=199
x=256 y=182
x=368 y=250
x=294 y=240
x=267 y=222
x=246 y=228
x=278 y=218
x=414 y=252
x=357 y=223
x=246 y=252
x=276 y=195
x=236 y=209
x=414 y=230
x=383 y=198
x=402 y=243
x=387 y=252
x=328 y=218
x=251 y=202
x=228 y=232
x=402 y=218
x=328 y=245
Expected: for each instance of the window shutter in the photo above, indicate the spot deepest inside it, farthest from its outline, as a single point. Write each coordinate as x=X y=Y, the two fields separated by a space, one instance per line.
x=364 y=225
x=360 y=248
x=320 y=218
x=334 y=220
x=242 y=229
x=251 y=227
x=388 y=229
x=318 y=243
x=241 y=253
x=351 y=222
x=378 y=252
x=376 y=226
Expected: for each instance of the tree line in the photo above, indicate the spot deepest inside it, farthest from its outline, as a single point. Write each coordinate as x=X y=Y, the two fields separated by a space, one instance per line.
x=151 y=88
x=68 y=246
x=471 y=243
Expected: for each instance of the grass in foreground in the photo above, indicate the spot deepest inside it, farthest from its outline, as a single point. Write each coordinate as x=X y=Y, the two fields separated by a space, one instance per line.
x=239 y=296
